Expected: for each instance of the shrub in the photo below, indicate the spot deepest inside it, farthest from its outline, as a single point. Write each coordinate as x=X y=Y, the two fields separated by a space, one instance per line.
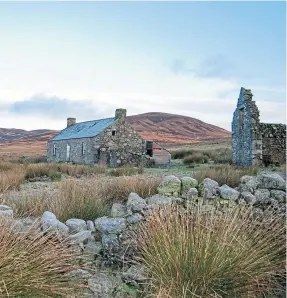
x=196 y=157
x=224 y=174
x=34 y=265
x=55 y=176
x=212 y=255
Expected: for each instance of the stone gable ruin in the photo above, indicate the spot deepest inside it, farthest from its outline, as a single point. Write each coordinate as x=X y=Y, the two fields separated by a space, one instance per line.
x=255 y=143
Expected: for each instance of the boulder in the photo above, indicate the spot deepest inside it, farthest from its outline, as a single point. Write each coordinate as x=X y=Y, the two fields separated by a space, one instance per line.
x=118 y=210
x=248 y=184
x=135 y=273
x=93 y=248
x=209 y=188
x=262 y=196
x=186 y=184
x=91 y=226
x=248 y=197
x=81 y=237
x=76 y=225
x=135 y=218
x=103 y=284
x=170 y=186
x=271 y=181
x=135 y=203
x=159 y=200
x=50 y=222
x=110 y=225
x=228 y=193
x=192 y=194
x=110 y=242
x=6 y=211
x=278 y=195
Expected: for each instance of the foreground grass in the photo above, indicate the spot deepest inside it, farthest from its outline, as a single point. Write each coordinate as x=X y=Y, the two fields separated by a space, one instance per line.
x=34 y=265
x=87 y=198
x=213 y=255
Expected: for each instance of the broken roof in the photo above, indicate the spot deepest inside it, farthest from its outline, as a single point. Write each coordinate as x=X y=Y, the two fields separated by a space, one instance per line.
x=85 y=129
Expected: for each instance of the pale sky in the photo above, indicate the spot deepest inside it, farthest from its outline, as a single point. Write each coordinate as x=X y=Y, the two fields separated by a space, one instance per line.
x=85 y=59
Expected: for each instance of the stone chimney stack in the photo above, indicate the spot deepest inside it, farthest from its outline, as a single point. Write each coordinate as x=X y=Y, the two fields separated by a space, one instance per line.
x=121 y=114
x=71 y=121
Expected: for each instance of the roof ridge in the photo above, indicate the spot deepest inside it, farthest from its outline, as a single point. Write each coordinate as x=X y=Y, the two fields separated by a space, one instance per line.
x=95 y=120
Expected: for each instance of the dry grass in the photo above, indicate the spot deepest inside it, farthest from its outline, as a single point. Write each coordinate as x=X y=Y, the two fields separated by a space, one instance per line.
x=34 y=265
x=224 y=174
x=126 y=170
x=213 y=255
x=11 y=176
x=87 y=198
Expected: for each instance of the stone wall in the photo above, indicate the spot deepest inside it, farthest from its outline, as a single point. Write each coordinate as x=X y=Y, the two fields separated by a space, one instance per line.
x=251 y=140
x=273 y=143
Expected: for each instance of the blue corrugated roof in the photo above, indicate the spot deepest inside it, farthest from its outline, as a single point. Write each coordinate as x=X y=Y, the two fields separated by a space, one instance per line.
x=83 y=129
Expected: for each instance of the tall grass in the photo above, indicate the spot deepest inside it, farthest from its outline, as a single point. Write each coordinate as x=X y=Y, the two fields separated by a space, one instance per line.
x=212 y=255
x=11 y=176
x=224 y=174
x=87 y=199
x=34 y=265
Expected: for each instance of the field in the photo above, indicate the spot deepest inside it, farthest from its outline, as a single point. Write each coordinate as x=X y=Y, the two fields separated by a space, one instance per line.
x=196 y=244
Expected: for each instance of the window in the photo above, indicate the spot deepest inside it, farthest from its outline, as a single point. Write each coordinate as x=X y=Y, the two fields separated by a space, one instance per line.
x=54 y=149
x=113 y=132
x=241 y=118
x=83 y=148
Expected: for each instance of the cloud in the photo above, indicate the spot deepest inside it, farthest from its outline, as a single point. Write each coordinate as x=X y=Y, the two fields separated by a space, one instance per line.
x=55 y=107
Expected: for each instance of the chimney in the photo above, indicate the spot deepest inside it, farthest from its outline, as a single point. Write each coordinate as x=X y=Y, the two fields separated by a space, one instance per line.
x=71 y=121
x=121 y=114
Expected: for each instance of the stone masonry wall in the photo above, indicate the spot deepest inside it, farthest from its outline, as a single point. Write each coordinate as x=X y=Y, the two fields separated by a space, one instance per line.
x=246 y=137
x=273 y=142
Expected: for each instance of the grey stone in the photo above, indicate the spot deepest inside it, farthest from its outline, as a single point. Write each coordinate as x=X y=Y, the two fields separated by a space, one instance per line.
x=110 y=225
x=103 y=285
x=136 y=273
x=50 y=222
x=159 y=200
x=6 y=211
x=76 y=225
x=93 y=248
x=241 y=202
x=228 y=193
x=110 y=242
x=79 y=274
x=257 y=212
x=262 y=195
x=248 y=184
x=177 y=201
x=170 y=186
x=135 y=218
x=192 y=194
x=135 y=203
x=91 y=226
x=209 y=188
x=81 y=237
x=271 y=181
x=248 y=197
x=118 y=210
x=278 y=195
x=186 y=184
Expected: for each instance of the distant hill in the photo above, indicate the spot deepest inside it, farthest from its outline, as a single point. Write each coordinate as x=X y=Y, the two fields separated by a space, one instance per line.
x=161 y=127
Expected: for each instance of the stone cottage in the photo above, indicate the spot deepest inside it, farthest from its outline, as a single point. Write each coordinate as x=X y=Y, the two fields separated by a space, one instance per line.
x=253 y=142
x=110 y=141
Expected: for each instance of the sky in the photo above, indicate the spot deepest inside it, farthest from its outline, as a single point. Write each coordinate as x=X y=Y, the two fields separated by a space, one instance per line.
x=85 y=59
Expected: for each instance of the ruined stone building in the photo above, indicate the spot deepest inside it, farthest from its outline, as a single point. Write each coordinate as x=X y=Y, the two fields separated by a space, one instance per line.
x=255 y=143
x=110 y=141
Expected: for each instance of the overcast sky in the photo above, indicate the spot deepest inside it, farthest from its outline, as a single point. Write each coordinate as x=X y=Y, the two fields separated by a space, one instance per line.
x=84 y=60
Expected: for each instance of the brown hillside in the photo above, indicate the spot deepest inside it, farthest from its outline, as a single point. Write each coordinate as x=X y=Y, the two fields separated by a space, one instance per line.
x=161 y=127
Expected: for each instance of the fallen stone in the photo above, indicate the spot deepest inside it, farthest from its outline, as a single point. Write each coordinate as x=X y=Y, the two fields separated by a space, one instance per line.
x=135 y=218
x=170 y=186
x=81 y=237
x=110 y=242
x=91 y=226
x=118 y=210
x=248 y=184
x=186 y=184
x=159 y=200
x=50 y=223
x=248 y=197
x=271 y=181
x=278 y=195
x=209 y=188
x=135 y=203
x=76 y=225
x=228 y=193
x=135 y=273
x=262 y=196
x=110 y=225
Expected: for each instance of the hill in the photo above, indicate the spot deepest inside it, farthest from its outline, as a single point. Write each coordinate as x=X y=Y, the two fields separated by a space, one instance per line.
x=162 y=127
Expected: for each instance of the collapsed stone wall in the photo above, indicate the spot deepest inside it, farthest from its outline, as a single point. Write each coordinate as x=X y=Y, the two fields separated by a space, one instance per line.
x=273 y=143
x=254 y=142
